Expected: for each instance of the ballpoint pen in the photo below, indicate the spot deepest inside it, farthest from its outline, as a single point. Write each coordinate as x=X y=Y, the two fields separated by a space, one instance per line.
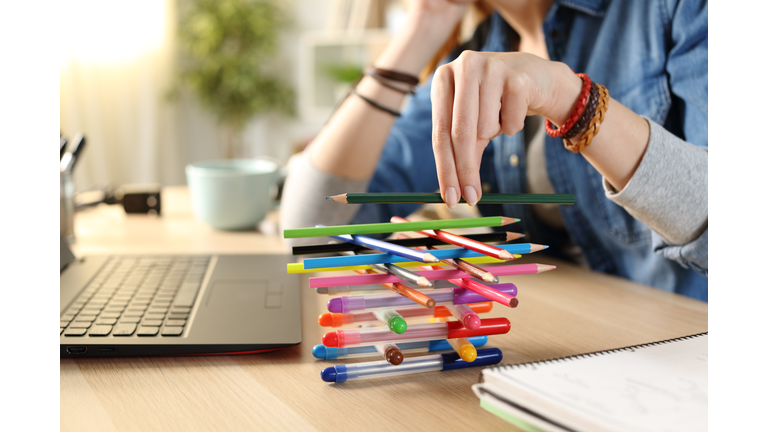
x=337 y=319
x=418 y=332
x=411 y=365
x=328 y=353
x=456 y=295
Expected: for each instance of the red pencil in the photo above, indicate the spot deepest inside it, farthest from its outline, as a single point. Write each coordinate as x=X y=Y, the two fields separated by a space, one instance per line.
x=464 y=242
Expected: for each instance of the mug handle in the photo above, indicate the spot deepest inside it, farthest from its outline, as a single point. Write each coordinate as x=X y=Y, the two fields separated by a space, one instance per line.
x=278 y=179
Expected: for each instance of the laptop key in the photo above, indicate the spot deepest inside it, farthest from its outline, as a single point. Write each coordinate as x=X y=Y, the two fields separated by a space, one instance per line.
x=77 y=331
x=180 y=309
x=63 y=323
x=185 y=298
x=156 y=316
x=123 y=329
x=148 y=331
x=130 y=319
x=133 y=313
x=80 y=324
x=175 y=323
x=85 y=318
x=100 y=330
x=110 y=315
x=172 y=331
x=181 y=316
x=107 y=321
x=152 y=322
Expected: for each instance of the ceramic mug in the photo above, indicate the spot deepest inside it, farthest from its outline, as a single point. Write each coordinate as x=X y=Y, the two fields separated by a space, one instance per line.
x=232 y=194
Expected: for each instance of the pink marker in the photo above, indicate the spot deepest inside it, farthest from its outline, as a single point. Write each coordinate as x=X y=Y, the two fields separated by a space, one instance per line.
x=466 y=315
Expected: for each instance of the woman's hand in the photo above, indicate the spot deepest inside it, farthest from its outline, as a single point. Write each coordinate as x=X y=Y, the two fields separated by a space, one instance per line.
x=481 y=95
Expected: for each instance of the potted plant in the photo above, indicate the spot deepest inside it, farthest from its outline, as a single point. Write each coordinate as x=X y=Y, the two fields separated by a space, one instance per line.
x=226 y=48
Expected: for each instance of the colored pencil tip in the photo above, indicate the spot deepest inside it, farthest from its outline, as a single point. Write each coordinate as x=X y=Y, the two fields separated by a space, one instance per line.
x=514 y=236
x=329 y=198
x=324 y=290
x=423 y=282
x=431 y=303
x=429 y=258
x=489 y=278
x=537 y=247
x=506 y=255
x=507 y=221
x=544 y=268
x=338 y=198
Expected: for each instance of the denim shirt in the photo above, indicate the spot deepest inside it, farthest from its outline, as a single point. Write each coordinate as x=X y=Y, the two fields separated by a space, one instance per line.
x=652 y=57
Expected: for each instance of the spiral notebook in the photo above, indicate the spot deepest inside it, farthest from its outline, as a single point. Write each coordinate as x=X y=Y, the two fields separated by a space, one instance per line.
x=660 y=386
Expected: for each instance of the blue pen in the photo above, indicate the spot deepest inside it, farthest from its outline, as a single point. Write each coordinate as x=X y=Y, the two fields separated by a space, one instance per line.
x=411 y=365
x=330 y=353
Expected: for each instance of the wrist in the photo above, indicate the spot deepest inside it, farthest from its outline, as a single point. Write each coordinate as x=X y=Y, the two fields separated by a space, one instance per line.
x=566 y=91
x=413 y=46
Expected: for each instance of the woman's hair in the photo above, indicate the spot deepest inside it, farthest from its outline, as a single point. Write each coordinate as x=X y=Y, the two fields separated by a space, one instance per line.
x=477 y=13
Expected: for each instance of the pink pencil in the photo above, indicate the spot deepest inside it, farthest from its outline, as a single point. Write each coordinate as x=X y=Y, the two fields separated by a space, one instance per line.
x=441 y=274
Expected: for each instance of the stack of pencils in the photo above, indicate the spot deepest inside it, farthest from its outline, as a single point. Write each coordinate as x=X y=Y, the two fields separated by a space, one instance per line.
x=425 y=292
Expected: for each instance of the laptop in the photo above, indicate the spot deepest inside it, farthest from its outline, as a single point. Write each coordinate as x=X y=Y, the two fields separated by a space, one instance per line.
x=176 y=304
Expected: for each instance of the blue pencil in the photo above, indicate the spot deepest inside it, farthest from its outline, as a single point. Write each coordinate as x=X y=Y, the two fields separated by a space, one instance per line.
x=390 y=248
x=385 y=258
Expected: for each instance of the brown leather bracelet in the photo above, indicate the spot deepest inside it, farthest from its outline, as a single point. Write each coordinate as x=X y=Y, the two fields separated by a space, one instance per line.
x=383 y=81
x=582 y=123
x=594 y=124
x=396 y=76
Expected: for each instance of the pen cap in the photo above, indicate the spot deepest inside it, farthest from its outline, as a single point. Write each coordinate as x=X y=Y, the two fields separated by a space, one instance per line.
x=488 y=326
x=463 y=296
x=346 y=304
x=485 y=357
x=335 y=319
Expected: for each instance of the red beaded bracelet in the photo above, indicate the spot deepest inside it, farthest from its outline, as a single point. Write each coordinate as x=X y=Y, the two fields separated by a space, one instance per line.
x=586 y=85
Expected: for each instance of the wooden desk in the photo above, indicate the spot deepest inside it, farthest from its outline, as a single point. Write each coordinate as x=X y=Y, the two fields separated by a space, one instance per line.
x=562 y=312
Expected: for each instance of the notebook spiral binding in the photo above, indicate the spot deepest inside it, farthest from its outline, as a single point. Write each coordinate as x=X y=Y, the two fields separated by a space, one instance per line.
x=532 y=364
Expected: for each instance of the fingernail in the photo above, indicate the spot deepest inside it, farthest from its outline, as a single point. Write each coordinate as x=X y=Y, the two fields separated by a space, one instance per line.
x=451 y=198
x=470 y=195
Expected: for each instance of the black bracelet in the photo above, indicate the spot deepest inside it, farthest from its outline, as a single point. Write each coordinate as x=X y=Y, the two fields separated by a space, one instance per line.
x=376 y=105
x=383 y=81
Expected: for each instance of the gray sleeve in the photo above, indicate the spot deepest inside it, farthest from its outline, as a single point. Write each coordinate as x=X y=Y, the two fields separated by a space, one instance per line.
x=668 y=192
x=303 y=202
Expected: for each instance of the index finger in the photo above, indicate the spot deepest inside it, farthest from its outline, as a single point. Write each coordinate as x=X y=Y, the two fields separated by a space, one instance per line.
x=442 y=94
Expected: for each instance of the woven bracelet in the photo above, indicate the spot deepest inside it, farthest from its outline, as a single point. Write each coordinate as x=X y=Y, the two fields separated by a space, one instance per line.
x=582 y=123
x=586 y=85
x=594 y=124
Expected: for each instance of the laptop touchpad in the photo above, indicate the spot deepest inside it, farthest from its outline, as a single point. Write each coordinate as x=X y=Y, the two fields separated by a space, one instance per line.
x=235 y=295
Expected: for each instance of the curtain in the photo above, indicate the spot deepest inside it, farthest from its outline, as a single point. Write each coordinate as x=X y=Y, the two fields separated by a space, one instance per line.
x=116 y=68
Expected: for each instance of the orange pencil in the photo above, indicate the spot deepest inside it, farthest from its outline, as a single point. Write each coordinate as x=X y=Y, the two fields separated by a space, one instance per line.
x=405 y=291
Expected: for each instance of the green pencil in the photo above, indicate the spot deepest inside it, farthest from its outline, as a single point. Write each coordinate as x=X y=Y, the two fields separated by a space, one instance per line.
x=435 y=198
x=387 y=227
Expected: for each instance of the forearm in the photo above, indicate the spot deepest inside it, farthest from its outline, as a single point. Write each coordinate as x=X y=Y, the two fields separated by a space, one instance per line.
x=618 y=148
x=350 y=144
x=669 y=188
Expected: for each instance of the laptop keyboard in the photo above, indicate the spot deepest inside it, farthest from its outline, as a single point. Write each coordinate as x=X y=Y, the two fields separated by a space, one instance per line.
x=141 y=296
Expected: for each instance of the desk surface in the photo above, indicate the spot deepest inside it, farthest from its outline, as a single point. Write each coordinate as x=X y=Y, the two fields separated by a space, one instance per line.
x=562 y=312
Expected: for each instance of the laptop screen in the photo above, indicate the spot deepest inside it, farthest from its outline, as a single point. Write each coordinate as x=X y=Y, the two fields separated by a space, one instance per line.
x=65 y=254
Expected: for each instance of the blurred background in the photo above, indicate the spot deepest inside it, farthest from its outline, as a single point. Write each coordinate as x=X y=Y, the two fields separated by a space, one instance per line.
x=157 y=84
